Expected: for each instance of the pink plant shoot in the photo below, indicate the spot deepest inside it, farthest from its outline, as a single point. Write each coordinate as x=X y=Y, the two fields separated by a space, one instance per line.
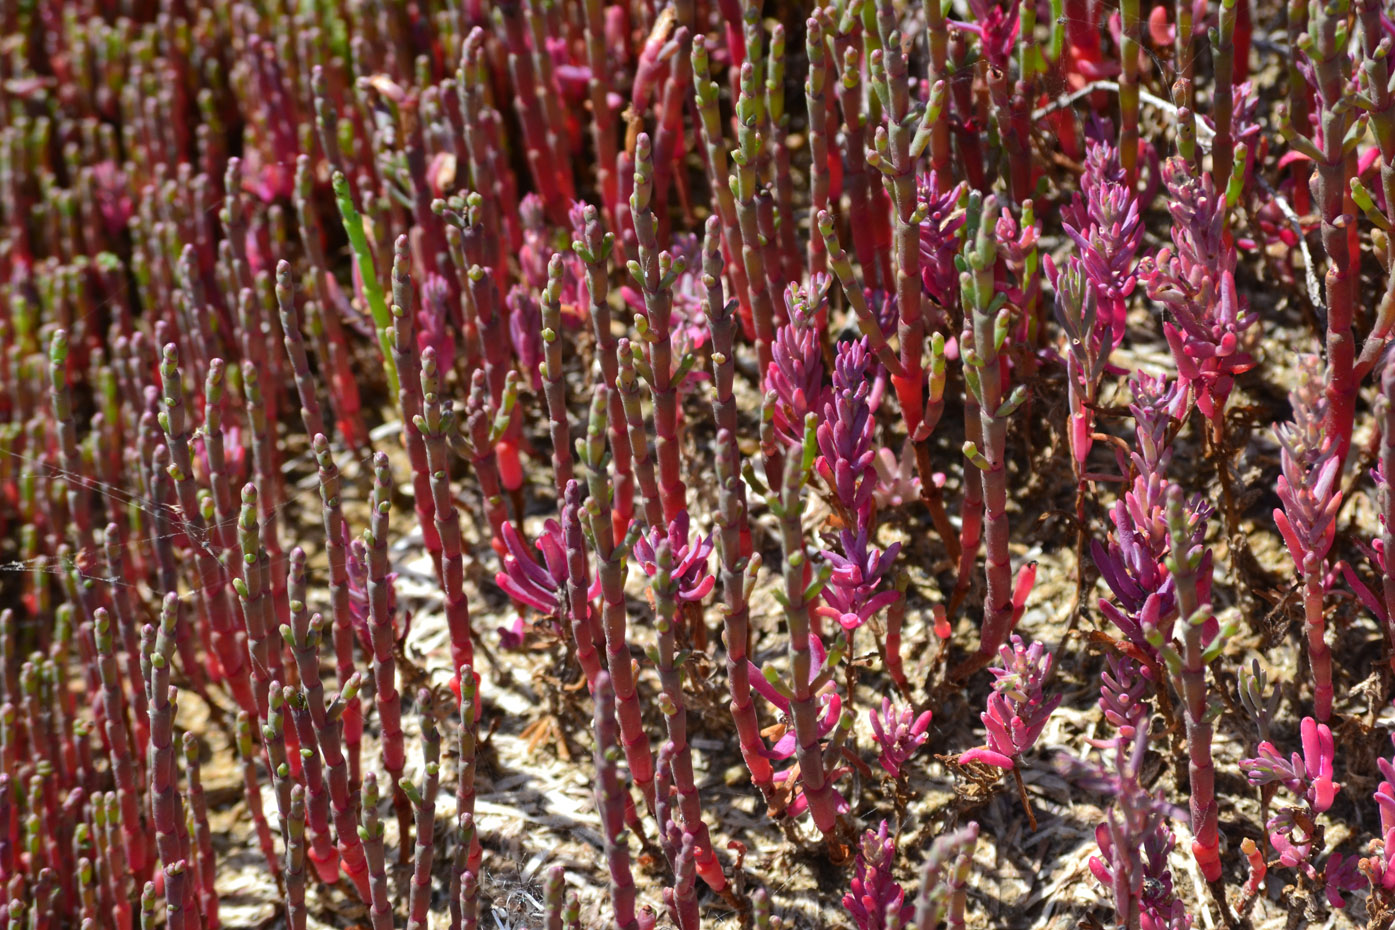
x=899 y=733
x=1102 y=220
x=768 y=685
x=528 y=584
x=851 y=596
x=690 y=571
x=1078 y=308
x=1123 y=687
x=1308 y=776
x=996 y=27
x=1380 y=866
x=1134 y=840
x=1195 y=280
x=795 y=374
x=939 y=236
x=1018 y=708
x=875 y=899
x=1311 y=497
x=1134 y=562
x=845 y=435
x=1293 y=832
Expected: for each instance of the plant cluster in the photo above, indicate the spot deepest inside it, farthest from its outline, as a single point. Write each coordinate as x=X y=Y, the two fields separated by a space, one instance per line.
x=742 y=350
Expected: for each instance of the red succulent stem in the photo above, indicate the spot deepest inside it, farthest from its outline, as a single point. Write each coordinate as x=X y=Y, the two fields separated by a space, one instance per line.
x=848 y=54
x=786 y=247
x=341 y=611
x=295 y=351
x=674 y=709
x=1223 y=55
x=61 y=404
x=402 y=340
x=587 y=634
x=383 y=634
x=986 y=377
x=937 y=40
x=750 y=144
x=1191 y=612
x=130 y=641
x=435 y=425
x=213 y=590
x=814 y=773
x=179 y=915
x=254 y=594
x=610 y=559
x=124 y=767
x=252 y=792
x=370 y=832
x=166 y=811
x=303 y=635
x=424 y=805
x=611 y=803
x=668 y=136
x=1331 y=191
x=481 y=122
x=1131 y=33
x=296 y=914
x=655 y=272
x=710 y=122
x=224 y=527
x=554 y=376
x=206 y=865
x=266 y=469
x=898 y=147
x=594 y=246
x=816 y=105
x=602 y=118
x=110 y=822
x=637 y=436
x=733 y=536
x=468 y=853
x=542 y=143
x=895 y=617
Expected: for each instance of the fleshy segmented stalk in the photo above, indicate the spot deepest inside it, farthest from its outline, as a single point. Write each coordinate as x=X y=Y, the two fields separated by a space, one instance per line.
x=302 y=637
x=586 y=630
x=737 y=564
x=341 y=610
x=370 y=833
x=468 y=853
x=424 y=804
x=800 y=589
x=554 y=377
x=709 y=121
x=212 y=588
x=671 y=702
x=594 y=247
x=655 y=273
x=124 y=767
x=295 y=351
x=987 y=324
x=382 y=633
x=435 y=425
x=610 y=800
x=402 y=341
x=610 y=558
